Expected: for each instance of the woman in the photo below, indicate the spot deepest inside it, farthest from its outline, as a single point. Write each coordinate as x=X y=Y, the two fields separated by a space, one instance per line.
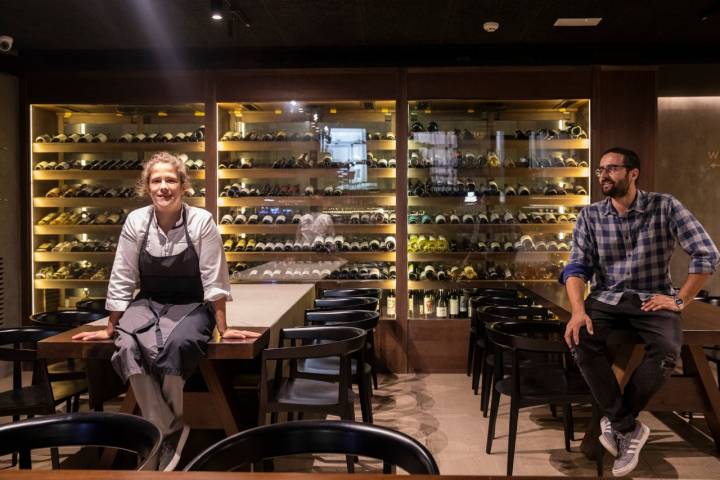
x=173 y=254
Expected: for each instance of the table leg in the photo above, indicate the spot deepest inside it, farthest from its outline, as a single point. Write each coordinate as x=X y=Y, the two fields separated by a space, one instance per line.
x=219 y=385
x=709 y=388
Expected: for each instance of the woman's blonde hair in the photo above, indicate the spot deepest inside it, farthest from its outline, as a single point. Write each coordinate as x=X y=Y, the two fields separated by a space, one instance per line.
x=143 y=185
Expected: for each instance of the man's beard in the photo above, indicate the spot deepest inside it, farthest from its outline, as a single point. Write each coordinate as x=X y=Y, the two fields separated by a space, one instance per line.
x=618 y=188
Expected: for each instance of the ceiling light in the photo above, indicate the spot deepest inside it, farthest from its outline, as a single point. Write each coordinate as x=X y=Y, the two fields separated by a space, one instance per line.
x=577 y=22
x=216 y=8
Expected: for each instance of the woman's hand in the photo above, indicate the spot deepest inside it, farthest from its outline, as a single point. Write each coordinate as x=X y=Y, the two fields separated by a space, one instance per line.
x=97 y=335
x=241 y=334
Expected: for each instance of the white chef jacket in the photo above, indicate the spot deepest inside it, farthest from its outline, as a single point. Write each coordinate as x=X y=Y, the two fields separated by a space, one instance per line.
x=125 y=275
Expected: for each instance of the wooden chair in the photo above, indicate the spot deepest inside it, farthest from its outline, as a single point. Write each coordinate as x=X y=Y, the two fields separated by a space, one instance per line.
x=253 y=446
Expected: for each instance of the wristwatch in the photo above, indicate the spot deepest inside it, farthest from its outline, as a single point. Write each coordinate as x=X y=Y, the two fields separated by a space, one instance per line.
x=679 y=302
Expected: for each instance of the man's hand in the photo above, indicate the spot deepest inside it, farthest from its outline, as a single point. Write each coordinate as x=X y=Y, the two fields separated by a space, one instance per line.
x=572 y=329
x=660 y=302
x=240 y=334
x=97 y=335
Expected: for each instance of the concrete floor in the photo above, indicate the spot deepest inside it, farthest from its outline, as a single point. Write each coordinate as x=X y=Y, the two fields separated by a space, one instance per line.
x=440 y=411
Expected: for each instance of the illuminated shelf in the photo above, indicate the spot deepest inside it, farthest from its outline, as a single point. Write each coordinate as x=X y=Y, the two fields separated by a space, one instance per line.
x=74 y=256
x=117 y=147
x=450 y=228
x=541 y=201
x=316 y=256
x=291 y=229
x=514 y=172
x=102 y=202
x=100 y=174
x=314 y=200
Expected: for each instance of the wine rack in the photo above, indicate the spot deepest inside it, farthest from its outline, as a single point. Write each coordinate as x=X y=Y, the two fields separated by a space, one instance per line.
x=494 y=189
x=332 y=168
x=85 y=161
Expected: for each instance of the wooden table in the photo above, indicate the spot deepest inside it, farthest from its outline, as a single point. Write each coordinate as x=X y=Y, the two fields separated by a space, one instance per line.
x=265 y=308
x=693 y=391
x=129 y=475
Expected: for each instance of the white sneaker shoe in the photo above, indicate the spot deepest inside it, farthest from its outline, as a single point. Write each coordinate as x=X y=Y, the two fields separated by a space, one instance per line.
x=607 y=436
x=629 y=446
x=171 y=449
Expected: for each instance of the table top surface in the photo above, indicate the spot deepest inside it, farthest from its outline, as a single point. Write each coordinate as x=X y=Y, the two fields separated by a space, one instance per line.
x=255 y=307
x=700 y=321
x=130 y=475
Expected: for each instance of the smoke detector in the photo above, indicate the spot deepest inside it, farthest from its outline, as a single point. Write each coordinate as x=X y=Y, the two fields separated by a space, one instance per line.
x=491 y=27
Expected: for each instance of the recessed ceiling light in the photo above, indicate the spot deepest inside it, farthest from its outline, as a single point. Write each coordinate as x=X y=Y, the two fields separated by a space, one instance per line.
x=577 y=22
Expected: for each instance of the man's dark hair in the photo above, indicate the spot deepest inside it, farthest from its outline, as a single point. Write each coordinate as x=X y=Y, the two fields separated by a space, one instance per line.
x=630 y=158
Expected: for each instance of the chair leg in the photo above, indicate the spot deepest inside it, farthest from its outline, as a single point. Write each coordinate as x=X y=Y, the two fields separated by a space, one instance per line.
x=273 y=417
x=512 y=434
x=470 y=354
x=493 y=418
x=25 y=460
x=553 y=410
x=55 y=458
x=599 y=449
x=567 y=425
x=365 y=398
x=487 y=382
x=478 y=356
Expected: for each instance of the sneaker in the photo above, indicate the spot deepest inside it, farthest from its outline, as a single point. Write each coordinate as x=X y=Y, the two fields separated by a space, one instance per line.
x=607 y=436
x=171 y=449
x=629 y=446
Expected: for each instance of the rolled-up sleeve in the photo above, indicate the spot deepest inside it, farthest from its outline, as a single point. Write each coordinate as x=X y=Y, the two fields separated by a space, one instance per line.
x=125 y=274
x=213 y=267
x=581 y=263
x=693 y=238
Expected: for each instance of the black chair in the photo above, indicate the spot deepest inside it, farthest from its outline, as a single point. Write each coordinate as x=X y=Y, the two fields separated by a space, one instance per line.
x=322 y=437
x=346 y=303
x=113 y=430
x=485 y=355
x=352 y=292
x=476 y=304
x=66 y=319
x=328 y=368
x=300 y=395
x=92 y=305
x=44 y=394
x=555 y=381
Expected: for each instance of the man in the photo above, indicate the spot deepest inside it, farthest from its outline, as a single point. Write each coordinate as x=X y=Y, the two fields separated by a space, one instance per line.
x=624 y=244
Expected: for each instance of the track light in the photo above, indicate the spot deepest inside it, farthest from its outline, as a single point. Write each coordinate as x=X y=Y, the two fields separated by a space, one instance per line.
x=216 y=8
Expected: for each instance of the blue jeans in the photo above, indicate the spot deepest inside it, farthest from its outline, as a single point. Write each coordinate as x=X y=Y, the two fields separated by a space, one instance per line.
x=662 y=334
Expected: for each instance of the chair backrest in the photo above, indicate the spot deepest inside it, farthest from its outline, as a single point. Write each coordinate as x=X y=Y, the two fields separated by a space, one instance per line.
x=529 y=336
x=364 y=319
x=101 y=429
x=354 y=303
x=352 y=292
x=317 y=437
x=483 y=301
x=66 y=318
x=333 y=341
x=502 y=312
x=92 y=305
x=498 y=292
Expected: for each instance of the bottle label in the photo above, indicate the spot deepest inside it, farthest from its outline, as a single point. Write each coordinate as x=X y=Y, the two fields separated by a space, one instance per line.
x=429 y=307
x=391 y=306
x=454 y=306
x=441 y=312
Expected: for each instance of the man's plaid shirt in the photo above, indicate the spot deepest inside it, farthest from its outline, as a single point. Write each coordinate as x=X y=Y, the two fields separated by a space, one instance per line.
x=632 y=253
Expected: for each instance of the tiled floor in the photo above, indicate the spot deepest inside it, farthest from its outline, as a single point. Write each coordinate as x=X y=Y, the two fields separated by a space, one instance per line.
x=442 y=413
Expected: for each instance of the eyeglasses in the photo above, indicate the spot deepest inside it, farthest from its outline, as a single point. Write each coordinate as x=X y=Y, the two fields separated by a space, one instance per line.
x=610 y=169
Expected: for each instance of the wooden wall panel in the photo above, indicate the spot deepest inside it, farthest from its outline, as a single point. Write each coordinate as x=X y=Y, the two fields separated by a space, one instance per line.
x=500 y=83
x=317 y=84
x=117 y=87
x=624 y=114
x=437 y=346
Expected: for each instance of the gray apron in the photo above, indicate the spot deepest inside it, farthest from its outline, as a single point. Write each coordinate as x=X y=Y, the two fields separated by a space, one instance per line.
x=166 y=328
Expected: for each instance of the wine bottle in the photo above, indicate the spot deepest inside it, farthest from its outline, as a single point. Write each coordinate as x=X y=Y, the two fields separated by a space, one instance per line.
x=454 y=304
x=442 y=306
x=390 y=243
x=428 y=304
x=228 y=245
x=440 y=219
x=429 y=272
x=463 y=304
x=454 y=219
x=411 y=303
x=390 y=304
x=468 y=219
x=412 y=273
x=508 y=218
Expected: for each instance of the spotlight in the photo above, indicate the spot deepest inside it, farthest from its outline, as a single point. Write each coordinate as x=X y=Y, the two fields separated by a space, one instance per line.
x=216 y=8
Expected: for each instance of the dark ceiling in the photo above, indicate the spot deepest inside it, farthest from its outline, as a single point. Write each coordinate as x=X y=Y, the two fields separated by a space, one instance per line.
x=180 y=33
